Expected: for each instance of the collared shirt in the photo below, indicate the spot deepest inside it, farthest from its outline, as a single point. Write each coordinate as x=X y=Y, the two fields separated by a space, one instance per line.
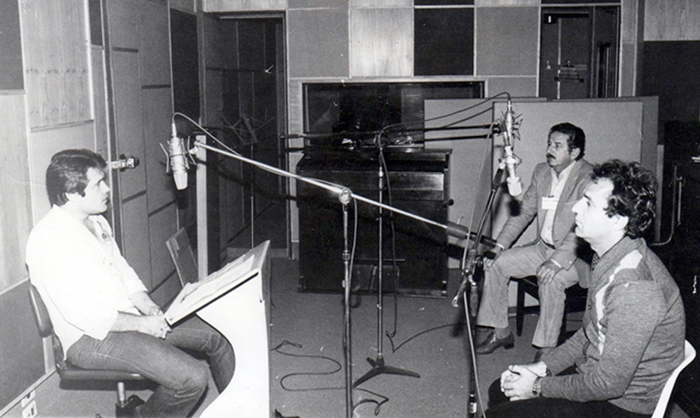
x=558 y=183
x=81 y=275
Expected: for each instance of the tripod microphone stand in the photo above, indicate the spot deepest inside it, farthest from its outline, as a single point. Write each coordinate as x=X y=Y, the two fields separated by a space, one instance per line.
x=378 y=364
x=470 y=262
x=345 y=195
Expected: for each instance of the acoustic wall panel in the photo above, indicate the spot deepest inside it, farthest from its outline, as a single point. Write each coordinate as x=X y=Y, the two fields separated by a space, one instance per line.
x=318 y=44
x=507 y=39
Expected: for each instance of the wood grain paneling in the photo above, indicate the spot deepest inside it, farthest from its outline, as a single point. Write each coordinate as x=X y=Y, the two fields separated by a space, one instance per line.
x=56 y=71
x=243 y=5
x=671 y=20
x=42 y=145
x=381 y=42
x=15 y=216
x=374 y=4
x=506 y=41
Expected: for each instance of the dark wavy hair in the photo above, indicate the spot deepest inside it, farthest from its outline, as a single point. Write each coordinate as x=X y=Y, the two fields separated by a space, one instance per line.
x=633 y=195
x=576 y=137
x=67 y=173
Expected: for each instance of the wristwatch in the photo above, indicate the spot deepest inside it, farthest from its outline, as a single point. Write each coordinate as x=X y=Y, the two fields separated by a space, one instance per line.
x=537 y=387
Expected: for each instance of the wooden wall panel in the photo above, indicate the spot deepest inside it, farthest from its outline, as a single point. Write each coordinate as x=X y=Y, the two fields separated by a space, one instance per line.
x=243 y=5
x=42 y=145
x=381 y=42
x=154 y=45
x=318 y=43
x=507 y=40
x=15 y=215
x=57 y=74
x=374 y=4
x=671 y=20
x=128 y=119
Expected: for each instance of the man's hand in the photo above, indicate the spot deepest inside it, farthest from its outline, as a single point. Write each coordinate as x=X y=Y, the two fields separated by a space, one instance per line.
x=155 y=325
x=546 y=272
x=496 y=251
x=517 y=382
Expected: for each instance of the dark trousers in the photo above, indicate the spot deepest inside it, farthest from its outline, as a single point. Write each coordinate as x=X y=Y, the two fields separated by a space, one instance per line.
x=500 y=407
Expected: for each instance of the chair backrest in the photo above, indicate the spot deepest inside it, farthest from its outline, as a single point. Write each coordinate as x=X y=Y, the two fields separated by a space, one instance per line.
x=183 y=257
x=43 y=320
x=660 y=410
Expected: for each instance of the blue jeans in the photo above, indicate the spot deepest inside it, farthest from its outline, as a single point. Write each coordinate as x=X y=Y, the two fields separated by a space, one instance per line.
x=181 y=378
x=516 y=263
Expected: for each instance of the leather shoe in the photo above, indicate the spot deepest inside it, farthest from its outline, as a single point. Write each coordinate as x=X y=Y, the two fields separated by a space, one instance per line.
x=493 y=342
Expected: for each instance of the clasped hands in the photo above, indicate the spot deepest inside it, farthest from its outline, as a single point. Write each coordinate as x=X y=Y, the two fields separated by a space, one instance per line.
x=517 y=380
x=155 y=323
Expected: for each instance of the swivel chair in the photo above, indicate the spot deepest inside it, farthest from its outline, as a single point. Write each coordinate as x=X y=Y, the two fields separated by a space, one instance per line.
x=69 y=372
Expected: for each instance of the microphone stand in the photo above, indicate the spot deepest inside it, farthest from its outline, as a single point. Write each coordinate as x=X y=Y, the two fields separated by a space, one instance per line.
x=345 y=195
x=378 y=365
x=470 y=261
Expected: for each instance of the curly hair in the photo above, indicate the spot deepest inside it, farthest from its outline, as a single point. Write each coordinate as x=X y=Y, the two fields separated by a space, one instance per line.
x=67 y=173
x=633 y=195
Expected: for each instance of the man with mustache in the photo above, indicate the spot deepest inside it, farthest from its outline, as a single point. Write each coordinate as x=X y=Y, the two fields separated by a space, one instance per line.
x=555 y=187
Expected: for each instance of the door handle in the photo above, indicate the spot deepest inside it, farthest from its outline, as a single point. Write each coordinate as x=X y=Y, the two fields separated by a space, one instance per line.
x=124 y=162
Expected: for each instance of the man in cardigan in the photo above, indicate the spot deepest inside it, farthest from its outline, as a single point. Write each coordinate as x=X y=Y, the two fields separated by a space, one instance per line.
x=556 y=185
x=634 y=325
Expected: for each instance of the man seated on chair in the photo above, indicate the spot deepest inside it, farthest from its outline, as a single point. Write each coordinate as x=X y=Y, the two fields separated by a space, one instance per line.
x=100 y=309
x=555 y=186
x=633 y=330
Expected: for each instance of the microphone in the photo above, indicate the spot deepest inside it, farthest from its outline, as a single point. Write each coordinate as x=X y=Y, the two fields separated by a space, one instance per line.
x=178 y=162
x=515 y=187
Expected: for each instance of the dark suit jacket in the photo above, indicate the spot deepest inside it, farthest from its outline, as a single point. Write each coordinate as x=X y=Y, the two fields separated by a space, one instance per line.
x=565 y=240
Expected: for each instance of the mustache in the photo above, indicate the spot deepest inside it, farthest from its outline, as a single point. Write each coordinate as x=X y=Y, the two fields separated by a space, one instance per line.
x=550 y=156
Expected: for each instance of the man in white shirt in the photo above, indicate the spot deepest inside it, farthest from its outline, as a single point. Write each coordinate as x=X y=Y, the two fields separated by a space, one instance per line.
x=555 y=187
x=100 y=309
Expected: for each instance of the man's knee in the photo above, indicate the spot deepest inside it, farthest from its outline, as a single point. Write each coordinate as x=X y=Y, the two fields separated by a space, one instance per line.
x=194 y=380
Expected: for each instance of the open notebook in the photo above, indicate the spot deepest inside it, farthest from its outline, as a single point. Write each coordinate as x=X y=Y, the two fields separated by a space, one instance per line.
x=194 y=296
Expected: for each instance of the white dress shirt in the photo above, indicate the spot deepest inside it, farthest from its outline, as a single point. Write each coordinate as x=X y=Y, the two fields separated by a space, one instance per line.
x=82 y=276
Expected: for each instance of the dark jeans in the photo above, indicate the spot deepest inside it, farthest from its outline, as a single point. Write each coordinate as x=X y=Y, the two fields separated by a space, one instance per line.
x=182 y=379
x=500 y=407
